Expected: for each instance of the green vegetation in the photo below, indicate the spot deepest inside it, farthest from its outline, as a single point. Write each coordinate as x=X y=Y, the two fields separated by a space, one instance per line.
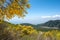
x=46 y=31
x=10 y=31
x=53 y=23
x=50 y=25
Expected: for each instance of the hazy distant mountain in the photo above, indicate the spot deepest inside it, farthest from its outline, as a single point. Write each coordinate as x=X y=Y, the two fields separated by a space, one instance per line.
x=28 y=24
x=52 y=24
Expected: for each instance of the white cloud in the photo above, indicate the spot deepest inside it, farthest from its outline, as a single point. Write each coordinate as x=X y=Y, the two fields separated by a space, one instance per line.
x=33 y=19
x=54 y=16
x=45 y=16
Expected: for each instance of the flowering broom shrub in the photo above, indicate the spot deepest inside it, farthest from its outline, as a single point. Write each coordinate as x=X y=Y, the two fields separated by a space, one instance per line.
x=19 y=31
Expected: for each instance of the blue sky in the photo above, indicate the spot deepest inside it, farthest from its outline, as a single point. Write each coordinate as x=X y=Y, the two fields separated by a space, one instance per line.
x=40 y=12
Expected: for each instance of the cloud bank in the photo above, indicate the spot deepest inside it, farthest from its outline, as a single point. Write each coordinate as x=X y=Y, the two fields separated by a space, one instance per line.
x=33 y=19
x=54 y=16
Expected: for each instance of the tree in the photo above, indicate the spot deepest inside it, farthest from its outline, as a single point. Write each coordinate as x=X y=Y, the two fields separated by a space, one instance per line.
x=13 y=7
